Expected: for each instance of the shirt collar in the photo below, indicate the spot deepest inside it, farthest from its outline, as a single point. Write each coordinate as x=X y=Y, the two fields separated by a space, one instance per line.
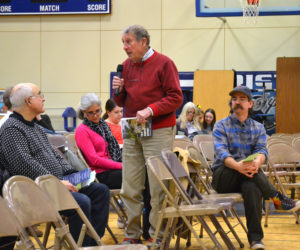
x=237 y=121
x=20 y=118
x=148 y=54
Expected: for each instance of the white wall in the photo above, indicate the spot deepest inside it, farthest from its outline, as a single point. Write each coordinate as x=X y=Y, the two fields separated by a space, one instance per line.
x=68 y=55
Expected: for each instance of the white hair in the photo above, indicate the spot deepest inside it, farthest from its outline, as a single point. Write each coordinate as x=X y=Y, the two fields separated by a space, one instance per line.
x=87 y=101
x=139 y=32
x=19 y=94
x=182 y=117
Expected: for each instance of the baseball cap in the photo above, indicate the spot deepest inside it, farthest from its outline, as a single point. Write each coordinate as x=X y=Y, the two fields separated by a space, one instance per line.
x=242 y=89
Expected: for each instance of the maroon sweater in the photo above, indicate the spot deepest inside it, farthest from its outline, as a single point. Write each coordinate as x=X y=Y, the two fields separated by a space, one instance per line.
x=153 y=83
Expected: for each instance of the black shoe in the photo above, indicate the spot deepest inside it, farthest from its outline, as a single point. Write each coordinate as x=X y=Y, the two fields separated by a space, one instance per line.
x=258 y=245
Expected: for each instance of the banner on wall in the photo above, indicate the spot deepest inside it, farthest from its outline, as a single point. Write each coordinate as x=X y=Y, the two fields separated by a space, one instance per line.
x=263 y=85
x=49 y=7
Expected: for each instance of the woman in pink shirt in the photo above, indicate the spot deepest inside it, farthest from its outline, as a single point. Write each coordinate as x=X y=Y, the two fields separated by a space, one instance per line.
x=98 y=145
x=113 y=116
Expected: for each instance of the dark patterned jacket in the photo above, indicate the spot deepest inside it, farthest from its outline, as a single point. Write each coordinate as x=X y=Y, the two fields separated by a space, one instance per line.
x=25 y=150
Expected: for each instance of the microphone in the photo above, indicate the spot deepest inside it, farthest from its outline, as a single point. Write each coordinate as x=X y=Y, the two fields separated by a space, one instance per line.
x=119 y=74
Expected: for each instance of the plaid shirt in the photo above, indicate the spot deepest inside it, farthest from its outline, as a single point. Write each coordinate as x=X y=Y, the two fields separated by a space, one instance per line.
x=237 y=140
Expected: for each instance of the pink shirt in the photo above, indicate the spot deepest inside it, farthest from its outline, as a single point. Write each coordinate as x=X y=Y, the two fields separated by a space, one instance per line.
x=92 y=145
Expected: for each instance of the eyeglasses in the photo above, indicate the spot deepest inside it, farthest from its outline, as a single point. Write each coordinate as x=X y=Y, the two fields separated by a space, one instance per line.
x=39 y=96
x=91 y=113
x=191 y=112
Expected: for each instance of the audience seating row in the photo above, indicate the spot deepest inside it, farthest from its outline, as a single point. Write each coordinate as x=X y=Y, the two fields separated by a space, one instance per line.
x=282 y=167
x=183 y=204
x=68 y=142
x=28 y=203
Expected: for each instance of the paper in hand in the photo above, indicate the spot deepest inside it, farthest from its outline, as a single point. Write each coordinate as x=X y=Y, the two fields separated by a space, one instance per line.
x=251 y=158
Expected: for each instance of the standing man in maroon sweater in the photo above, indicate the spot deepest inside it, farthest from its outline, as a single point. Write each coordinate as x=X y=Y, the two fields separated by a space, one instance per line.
x=149 y=87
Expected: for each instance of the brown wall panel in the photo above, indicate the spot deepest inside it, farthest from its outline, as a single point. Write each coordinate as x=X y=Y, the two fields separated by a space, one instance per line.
x=211 y=90
x=288 y=95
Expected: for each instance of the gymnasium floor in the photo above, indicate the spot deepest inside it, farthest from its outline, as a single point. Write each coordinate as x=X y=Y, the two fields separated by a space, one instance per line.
x=282 y=233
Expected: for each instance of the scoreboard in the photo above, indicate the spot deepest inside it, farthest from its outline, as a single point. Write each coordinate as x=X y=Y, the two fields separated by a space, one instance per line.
x=48 y=7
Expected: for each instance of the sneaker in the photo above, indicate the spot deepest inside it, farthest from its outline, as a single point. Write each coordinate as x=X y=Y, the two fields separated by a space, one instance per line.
x=281 y=202
x=258 y=245
x=128 y=241
x=156 y=245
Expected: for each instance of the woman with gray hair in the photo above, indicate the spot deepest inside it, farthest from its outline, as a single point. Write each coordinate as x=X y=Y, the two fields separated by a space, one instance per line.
x=95 y=140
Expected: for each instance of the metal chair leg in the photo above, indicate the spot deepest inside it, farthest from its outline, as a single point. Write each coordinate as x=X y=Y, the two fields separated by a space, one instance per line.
x=112 y=234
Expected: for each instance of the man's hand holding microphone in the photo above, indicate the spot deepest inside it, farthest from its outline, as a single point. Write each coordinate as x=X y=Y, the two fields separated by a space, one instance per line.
x=118 y=81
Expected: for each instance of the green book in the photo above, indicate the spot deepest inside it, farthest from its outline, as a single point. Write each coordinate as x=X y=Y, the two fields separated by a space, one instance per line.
x=251 y=158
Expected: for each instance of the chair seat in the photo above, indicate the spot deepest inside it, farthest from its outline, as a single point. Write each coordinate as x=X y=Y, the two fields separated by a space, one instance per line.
x=278 y=173
x=226 y=203
x=234 y=196
x=192 y=210
x=291 y=185
x=285 y=173
x=117 y=247
x=115 y=191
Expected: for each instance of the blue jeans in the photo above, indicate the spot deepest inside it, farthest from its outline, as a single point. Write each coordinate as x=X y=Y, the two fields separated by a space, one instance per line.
x=7 y=243
x=94 y=202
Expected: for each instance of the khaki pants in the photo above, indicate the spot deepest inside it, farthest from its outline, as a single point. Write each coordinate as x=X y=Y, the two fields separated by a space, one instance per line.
x=135 y=154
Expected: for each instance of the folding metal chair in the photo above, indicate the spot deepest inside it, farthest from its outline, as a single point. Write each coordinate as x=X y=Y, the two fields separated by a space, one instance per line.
x=182 y=143
x=68 y=142
x=173 y=208
x=208 y=152
x=194 y=154
x=193 y=196
x=284 y=157
x=115 y=193
x=10 y=226
x=32 y=206
x=71 y=139
x=204 y=173
x=207 y=186
x=296 y=135
x=284 y=163
x=288 y=138
x=276 y=140
x=63 y=200
x=61 y=140
x=200 y=138
x=296 y=144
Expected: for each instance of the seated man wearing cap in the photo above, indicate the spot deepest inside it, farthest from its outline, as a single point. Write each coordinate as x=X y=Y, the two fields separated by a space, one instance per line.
x=235 y=138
